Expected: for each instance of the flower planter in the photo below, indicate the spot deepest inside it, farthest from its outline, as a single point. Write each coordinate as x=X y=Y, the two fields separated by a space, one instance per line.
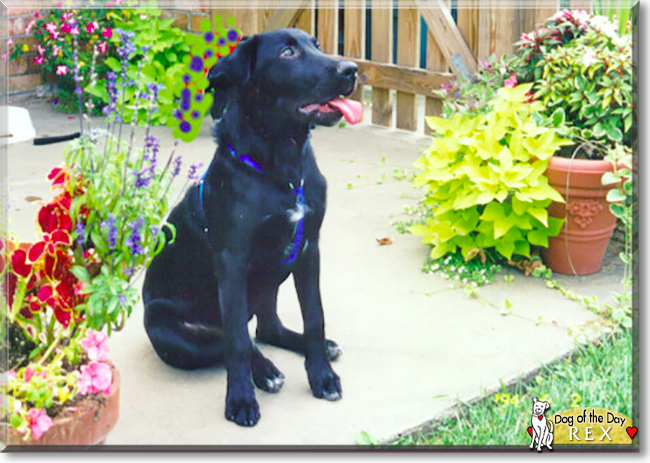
x=580 y=247
x=89 y=425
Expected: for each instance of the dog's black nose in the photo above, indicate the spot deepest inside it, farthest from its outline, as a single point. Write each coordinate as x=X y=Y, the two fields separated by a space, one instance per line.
x=347 y=69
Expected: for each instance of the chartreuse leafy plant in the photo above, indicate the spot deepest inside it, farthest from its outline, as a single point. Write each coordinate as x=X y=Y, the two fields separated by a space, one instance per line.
x=484 y=181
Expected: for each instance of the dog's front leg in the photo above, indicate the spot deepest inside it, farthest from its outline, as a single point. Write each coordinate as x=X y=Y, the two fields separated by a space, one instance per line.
x=323 y=381
x=241 y=405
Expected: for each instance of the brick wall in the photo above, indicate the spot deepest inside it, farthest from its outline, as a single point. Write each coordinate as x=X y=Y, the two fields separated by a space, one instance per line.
x=23 y=76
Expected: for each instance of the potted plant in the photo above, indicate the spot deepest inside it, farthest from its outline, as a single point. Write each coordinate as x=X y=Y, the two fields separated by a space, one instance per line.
x=74 y=285
x=582 y=69
x=484 y=180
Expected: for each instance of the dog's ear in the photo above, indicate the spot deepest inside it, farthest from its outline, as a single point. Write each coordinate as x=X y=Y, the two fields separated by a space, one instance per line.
x=237 y=68
x=534 y=400
x=547 y=405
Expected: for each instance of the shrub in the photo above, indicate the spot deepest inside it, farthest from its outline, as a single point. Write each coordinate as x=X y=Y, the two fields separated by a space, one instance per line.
x=484 y=180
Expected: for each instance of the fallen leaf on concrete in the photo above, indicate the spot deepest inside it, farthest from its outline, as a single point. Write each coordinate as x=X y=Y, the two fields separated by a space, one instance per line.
x=386 y=241
x=527 y=266
x=32 y=199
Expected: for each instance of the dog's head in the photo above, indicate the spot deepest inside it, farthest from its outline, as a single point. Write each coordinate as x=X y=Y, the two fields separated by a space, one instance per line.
x=283 y=77
x=539 y=407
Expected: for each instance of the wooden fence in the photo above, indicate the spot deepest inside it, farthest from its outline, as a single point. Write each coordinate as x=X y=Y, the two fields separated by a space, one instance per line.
x=393 y=32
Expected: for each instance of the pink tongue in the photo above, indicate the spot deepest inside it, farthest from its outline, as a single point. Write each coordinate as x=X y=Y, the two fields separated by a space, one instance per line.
x=350 y=109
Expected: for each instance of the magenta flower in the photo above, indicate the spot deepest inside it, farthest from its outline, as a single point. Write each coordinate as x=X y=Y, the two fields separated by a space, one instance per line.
x=95 y=345
x=55 y=51
x=39 y=422
x=92 y=27
x=54 y=35
x=40 y=49
x=107 y=33
x=65 y=28
x=50 y=27
x=62 y=70
x=67 y=15
x=39 y=60
x=511 y=81
x=95 y=377
x=102 y=47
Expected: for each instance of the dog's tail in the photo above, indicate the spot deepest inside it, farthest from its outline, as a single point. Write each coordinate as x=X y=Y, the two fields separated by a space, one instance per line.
x=551 y=423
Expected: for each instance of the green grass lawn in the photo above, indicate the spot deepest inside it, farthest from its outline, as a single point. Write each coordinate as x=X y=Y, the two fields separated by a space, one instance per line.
x=596 y=375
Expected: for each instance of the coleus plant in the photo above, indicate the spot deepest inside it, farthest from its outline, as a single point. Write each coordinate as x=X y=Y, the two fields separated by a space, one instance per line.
x=484 y=182
x=104 y=224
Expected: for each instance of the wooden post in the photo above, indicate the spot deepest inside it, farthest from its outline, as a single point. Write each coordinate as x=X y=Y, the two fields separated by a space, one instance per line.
x=408 y=48
x=467 y=20
x=435 y=62
x=306 y=18
x=545 y=9
x=354 y=40
x=382 y=52
x=328 y=27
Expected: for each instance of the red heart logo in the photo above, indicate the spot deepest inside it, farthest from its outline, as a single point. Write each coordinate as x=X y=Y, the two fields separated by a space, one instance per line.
x=631 y=432
x=540 y=417
x=530 y=430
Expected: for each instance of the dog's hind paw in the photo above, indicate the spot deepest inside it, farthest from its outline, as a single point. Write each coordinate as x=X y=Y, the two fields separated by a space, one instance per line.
x=244 y=411
x=266 y=376
x=332 y=350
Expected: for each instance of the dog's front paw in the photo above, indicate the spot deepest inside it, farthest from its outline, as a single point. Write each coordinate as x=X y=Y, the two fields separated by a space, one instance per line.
x=242 y=409
x=266 y=376
x=324 y=383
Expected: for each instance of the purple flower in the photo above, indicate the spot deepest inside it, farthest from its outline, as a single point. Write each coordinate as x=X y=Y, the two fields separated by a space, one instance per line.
x=109 y=224
x=80 y=230
x=142 y=180
x=122 y=298
x=127 y=48
x=177 y=166
x=193 y=171
x=111 y=87
x=151 y=148
x=154 y=89
x=135 y=238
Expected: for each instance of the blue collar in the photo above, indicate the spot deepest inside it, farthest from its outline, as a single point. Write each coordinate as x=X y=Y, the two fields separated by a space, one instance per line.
x=300 y=202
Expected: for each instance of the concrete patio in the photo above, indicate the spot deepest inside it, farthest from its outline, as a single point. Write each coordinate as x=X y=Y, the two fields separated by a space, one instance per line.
x=412 y=346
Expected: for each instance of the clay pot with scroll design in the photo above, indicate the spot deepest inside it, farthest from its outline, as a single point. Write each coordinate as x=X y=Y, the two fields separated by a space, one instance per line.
x=580 y=247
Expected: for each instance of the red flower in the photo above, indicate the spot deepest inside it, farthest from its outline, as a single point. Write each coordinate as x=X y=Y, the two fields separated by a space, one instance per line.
x=54 y=217
x=49 y=244
x=19 y=263
x=58 y=176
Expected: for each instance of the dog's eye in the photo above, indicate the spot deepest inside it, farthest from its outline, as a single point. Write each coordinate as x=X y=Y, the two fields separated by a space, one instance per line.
x=288 y=52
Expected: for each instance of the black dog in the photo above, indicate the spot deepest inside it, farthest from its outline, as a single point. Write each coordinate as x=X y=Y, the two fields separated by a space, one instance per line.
x=252 y=221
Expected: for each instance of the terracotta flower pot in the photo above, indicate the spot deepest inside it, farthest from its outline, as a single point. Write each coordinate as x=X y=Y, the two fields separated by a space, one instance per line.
x=88 y=426
x=580 y=247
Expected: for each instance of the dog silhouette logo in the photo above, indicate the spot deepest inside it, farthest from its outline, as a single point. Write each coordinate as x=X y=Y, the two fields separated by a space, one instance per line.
x=540 y=431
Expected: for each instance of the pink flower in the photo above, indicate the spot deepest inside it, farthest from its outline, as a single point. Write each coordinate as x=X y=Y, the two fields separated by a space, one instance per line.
x=55 y=51
x=40 y=49
x=54 y=35
x=92 y=27
x=39 y=422
x=39 y=60
x=95 y=377
x=62 y=70
x=65 y=28
x=511 y=82
x=50 y=27
x=11 y=375
x=29 y=373
x=28 y=29
x=75 y=30
x=67 y=15
x=95 y=345
x=10 y=42
x=102 y=47
x=107 y=33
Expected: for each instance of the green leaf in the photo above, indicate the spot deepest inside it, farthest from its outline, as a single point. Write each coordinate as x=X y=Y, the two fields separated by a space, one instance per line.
x=609 y=178
x=558 y=117
x=81 y=273
x=538 y=238
x=617 y=210
x=16 y=420
x=615 y=195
